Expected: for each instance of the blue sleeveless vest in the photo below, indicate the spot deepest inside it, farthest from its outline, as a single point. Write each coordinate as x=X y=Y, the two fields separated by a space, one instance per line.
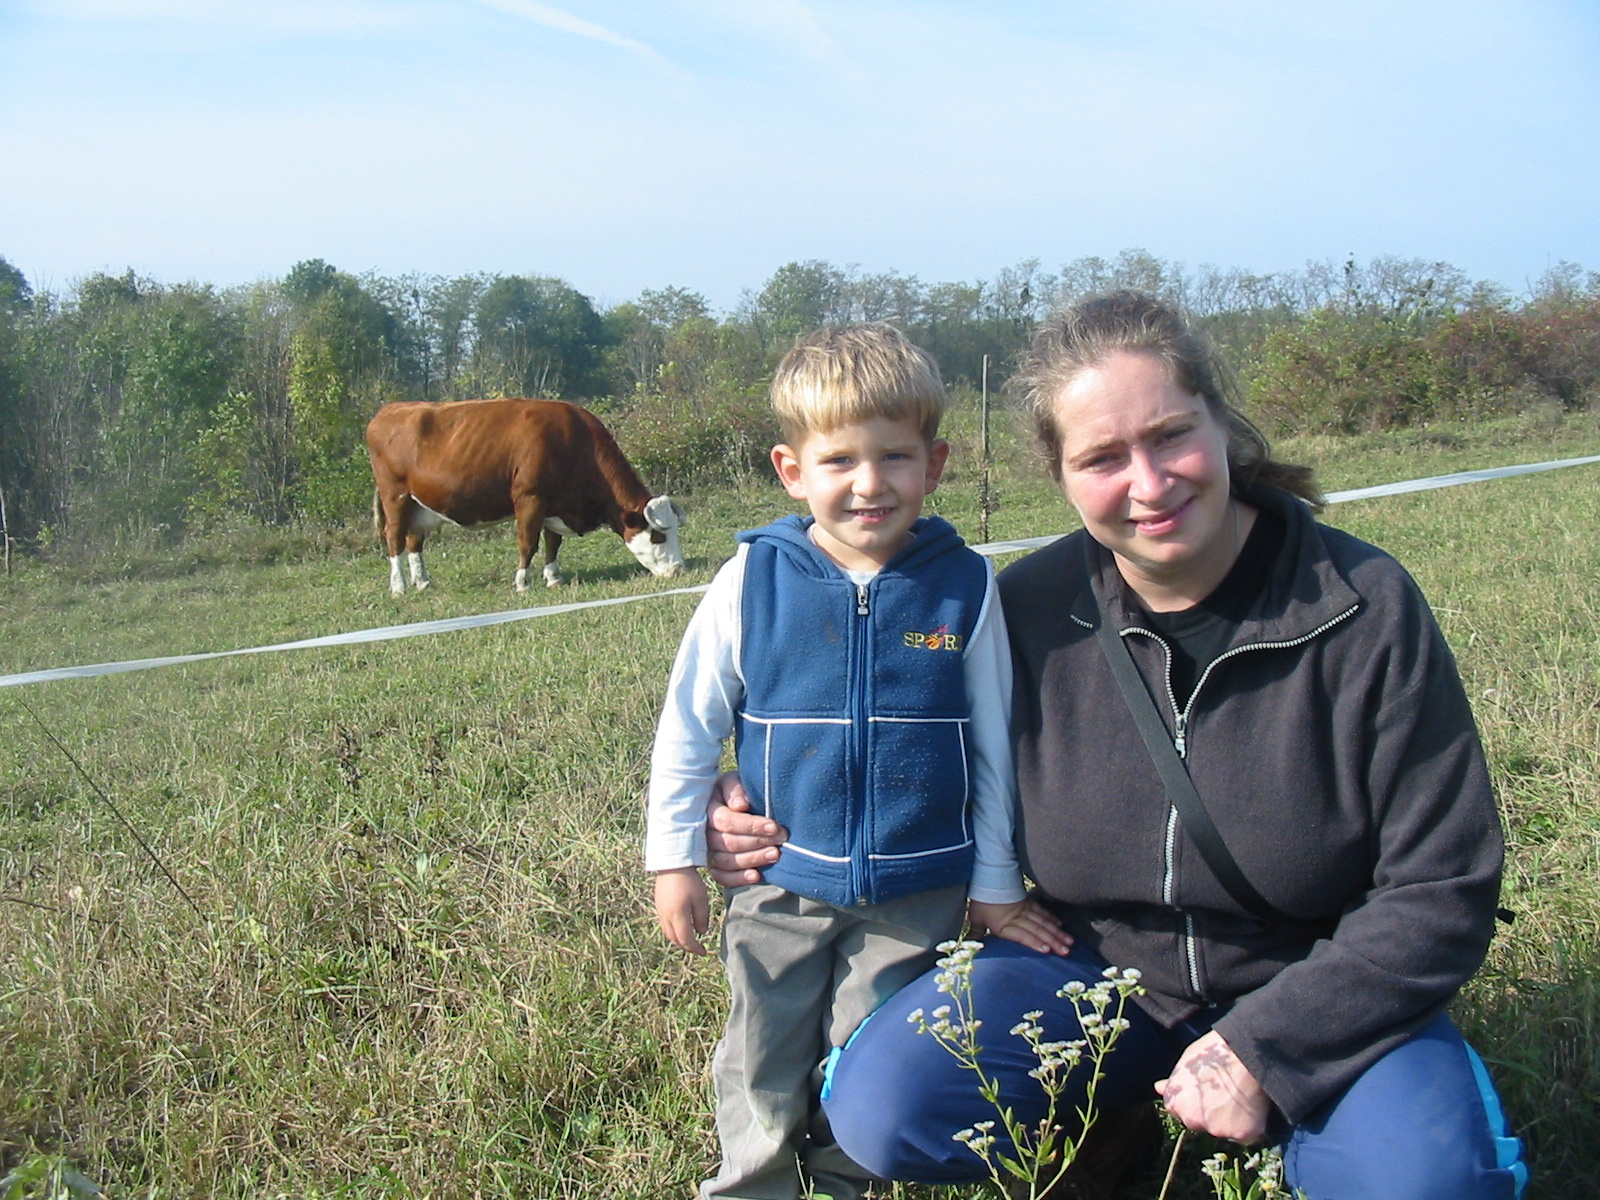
x=853 y=732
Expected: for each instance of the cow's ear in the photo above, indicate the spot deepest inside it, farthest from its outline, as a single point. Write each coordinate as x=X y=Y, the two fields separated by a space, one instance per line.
x=633 y=520
x=663 y=512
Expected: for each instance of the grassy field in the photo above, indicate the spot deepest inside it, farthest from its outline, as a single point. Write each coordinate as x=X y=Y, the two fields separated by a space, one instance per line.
x=423 y=963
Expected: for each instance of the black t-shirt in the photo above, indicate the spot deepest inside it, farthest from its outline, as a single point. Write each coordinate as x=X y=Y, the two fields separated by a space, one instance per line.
x=1198 y=634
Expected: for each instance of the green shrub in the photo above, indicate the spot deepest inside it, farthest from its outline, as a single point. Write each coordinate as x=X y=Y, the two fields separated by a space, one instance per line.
x=678 y=445
x=1341 y=372
x=335 y=488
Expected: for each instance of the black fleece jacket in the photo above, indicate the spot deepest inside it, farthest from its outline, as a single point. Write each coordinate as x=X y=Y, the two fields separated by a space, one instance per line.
x=1333 y=746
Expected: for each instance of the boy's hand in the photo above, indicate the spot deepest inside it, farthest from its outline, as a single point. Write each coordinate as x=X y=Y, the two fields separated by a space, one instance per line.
x=1025 y=921
x=740 y=844
x=683 y=907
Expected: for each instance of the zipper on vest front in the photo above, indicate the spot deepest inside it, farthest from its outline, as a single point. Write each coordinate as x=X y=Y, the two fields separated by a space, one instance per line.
x=858 y=726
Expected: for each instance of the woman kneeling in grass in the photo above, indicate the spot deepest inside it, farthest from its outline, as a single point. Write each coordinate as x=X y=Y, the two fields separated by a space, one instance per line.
x=1279 y=814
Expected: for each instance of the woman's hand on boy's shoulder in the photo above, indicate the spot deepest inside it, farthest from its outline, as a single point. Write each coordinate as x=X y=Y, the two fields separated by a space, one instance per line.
x=741 y=843
x=1024 y=921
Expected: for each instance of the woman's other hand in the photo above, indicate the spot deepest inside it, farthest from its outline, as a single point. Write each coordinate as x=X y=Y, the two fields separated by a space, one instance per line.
x=741 y=844
x=1025 y=921
x=1210 y=1090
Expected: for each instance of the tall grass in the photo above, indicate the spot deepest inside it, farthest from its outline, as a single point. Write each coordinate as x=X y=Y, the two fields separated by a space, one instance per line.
x=426 y=966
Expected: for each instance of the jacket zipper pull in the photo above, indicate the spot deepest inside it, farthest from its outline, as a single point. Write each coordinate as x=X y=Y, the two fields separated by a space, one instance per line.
x=1179 y=742
x=861 y=599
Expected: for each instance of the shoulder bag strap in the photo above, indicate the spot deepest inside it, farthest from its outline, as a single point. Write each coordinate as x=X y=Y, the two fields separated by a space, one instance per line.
x=1180 y=788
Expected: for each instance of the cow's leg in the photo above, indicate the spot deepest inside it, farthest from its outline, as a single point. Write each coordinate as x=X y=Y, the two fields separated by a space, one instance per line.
x=530 y=521
x=392 y=515
x=552 y=547
x=419 y=573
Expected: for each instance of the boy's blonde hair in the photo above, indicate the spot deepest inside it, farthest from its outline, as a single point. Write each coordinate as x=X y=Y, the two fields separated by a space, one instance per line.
x=844 y=374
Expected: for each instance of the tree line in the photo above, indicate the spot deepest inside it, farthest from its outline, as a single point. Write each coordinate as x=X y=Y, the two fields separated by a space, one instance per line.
x=130 y=408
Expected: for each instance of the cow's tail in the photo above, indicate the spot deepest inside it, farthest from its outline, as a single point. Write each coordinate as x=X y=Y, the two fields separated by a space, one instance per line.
x=377 y=516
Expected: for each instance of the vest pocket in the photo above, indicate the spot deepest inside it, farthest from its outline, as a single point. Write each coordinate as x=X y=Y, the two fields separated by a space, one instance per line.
x=797 y=772
x=919 y=787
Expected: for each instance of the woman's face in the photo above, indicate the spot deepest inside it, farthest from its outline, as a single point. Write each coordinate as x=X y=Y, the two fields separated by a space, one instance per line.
x=1145 y=463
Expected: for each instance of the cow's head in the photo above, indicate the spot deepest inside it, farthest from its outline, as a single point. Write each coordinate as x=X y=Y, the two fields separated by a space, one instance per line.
x=653 y=536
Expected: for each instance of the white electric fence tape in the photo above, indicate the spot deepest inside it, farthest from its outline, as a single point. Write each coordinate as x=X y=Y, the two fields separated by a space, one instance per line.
x=445 y=625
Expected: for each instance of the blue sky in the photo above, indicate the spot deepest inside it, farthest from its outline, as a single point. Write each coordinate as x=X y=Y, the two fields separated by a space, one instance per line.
x=624 y=144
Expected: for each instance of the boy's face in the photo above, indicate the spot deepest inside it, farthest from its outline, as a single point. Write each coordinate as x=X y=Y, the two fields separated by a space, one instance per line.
x=864 y=483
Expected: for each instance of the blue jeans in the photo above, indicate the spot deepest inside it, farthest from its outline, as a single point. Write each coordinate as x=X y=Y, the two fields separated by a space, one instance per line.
x=1423 y=1123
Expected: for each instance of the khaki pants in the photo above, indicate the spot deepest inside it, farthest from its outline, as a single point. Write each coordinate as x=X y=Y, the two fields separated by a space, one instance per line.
x=802 y=975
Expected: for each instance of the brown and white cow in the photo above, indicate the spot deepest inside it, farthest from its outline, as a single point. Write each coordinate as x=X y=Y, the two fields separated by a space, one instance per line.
x=550 y=465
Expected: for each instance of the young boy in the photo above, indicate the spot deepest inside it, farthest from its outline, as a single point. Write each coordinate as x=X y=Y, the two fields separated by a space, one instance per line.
x=859 y=660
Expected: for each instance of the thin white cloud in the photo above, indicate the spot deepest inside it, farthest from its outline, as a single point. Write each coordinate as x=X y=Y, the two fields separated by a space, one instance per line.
x=565 y=22
x=791 y=26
